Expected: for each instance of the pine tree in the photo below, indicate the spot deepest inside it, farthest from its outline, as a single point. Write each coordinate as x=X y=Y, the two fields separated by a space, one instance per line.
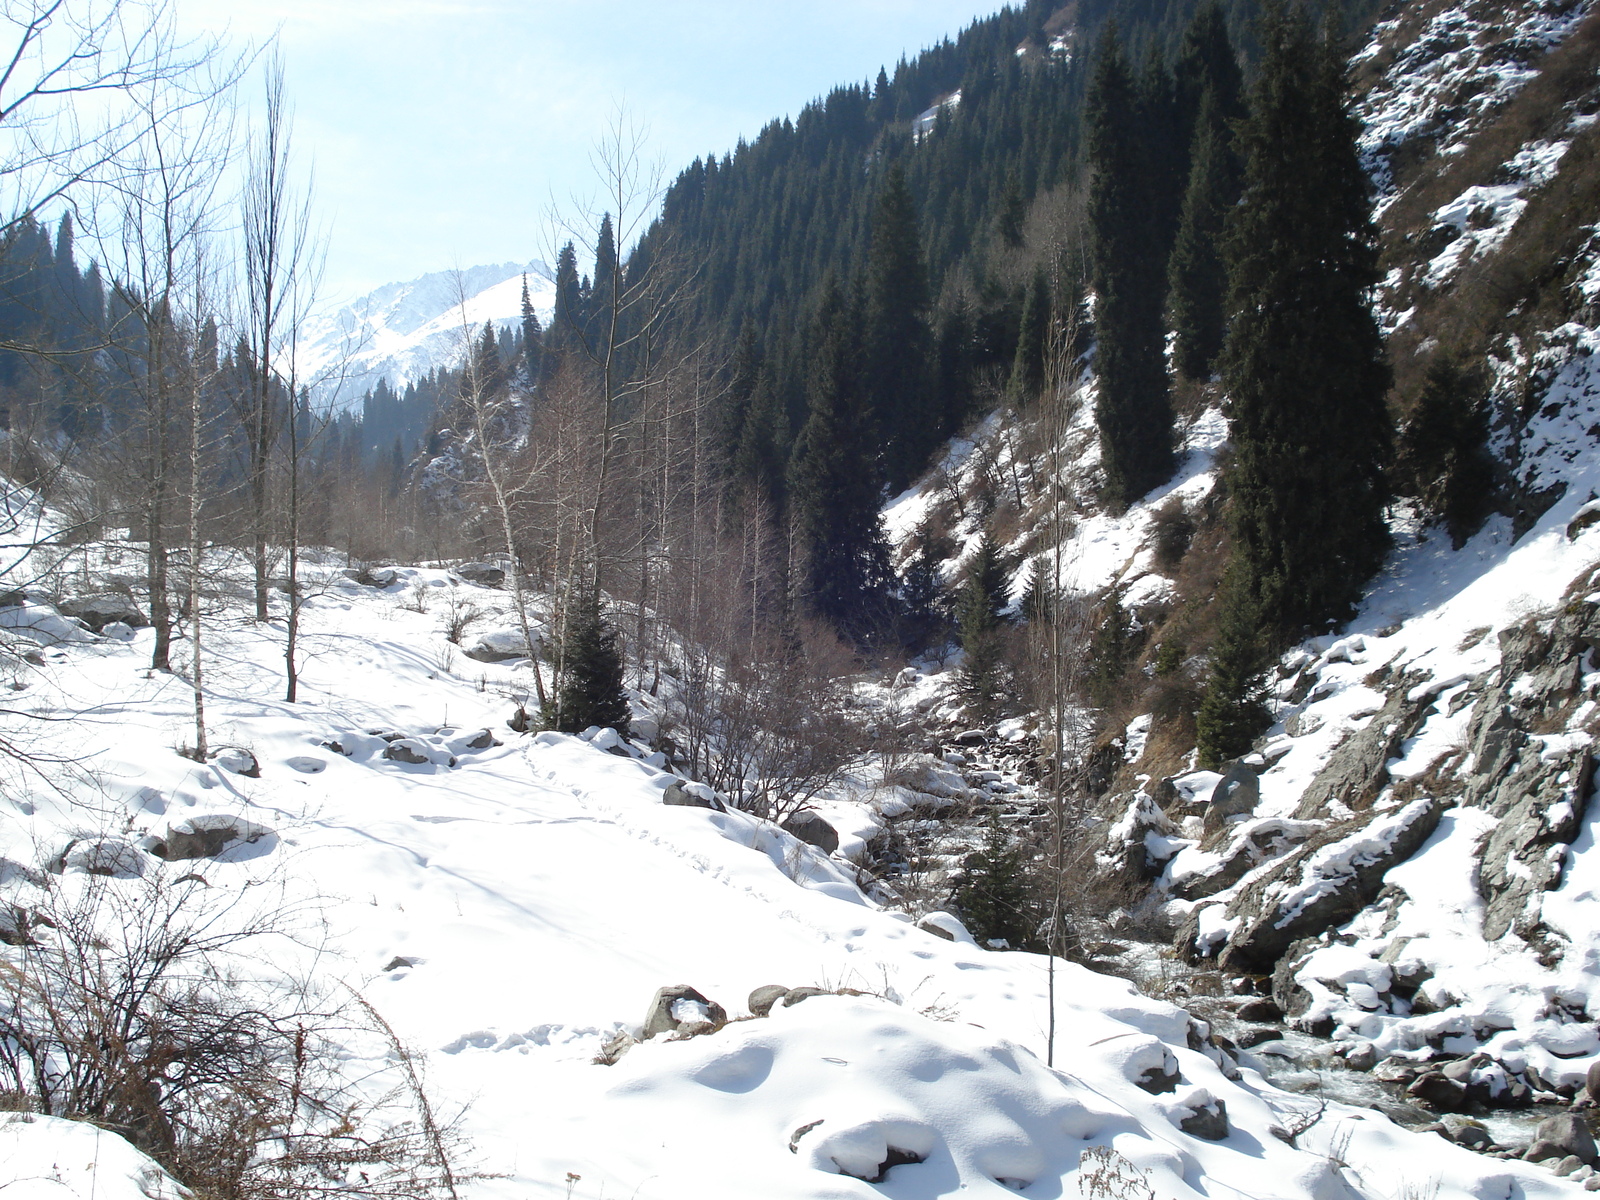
x=1198 y=273
x=993 y=896
x=834 y=484
x=1303 y=365
x=1133 y=409
x=592 y=691
x=899 y=346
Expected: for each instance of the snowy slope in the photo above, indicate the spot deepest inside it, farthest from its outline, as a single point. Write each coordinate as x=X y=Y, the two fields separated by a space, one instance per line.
x=402 y=331
x=542 y=891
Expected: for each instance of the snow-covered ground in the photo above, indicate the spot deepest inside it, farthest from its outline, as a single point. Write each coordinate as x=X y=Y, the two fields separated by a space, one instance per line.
x=511 y=907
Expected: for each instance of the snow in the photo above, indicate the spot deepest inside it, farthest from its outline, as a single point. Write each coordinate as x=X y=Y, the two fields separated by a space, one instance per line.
x=43 y=1158
x=401 y=331
x=511 y=912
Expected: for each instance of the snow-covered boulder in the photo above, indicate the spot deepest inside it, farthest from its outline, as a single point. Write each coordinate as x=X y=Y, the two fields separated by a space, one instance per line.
x=46 y=1158
x=100 y=609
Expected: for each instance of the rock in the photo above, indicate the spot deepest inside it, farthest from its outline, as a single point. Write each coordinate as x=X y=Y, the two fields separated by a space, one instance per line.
x=1249 y=848
x=378 y=577
x=1472 y=1136
x=118 y=631
x=204 y=835
x=1358 y=770
x=101 y=609
x=795 y=995
x=615 y=1046
x=1207 y=1119
x=813 y=830
x=1256 y=1035
x=482 y=574
x=944 y=925
x=1438 y=1091
x=1562 y=1135
x=112 y=857
x=236 y=760
x=1259 y=1010
x=763 y=998
x=686 y=794
x=972 y=737
x=1361 y=1057
x=682 y=1010
x=397 y=963
x=498 y=645
x=1591 y=1081
x=407 y=750
x=1568 y=1165
x=1323 y=884
x=484 y=740
x=1237 y=793
x=1592 y=1184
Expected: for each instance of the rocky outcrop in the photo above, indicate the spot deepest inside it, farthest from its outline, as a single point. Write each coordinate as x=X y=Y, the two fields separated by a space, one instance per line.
x=1536 y=784
x=812 y=830
x=1323 y=884
x=1252 y=844
x=102 y=609
x=1357 y=772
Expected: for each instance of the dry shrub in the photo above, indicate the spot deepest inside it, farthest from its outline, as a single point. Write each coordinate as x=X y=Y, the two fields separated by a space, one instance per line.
x=142 y=1006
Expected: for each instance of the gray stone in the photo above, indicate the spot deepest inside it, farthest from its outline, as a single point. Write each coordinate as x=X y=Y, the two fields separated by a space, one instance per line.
x=1254 y=1036
x=765 y=997
x=205 y=835
x=112 y=857
x=236 y=760
x=1209 y=1121
x=483 y=574
x=1561 y=1135
x=483 y=741
x=660 y=1017
x=1237 y=793
x=795 y=995
x=1472 y=1136
x=1568 y=1165
x=812 y=830
x=101 y=609
x=1361 y=1057
x=1591 y=1081
x=1438 y=1091
x=692 y=795
x=1261 y=1009
x=497 y=646
x=615 y=1047
x=407 y=750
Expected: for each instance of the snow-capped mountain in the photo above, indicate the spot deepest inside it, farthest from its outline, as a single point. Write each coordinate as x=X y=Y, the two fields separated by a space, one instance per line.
x=401 y=331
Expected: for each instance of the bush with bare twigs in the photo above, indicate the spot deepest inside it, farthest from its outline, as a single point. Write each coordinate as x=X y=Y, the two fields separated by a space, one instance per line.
x=130 y=1003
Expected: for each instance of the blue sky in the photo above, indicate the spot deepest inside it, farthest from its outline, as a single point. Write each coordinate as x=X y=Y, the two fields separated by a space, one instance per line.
x=441 y=130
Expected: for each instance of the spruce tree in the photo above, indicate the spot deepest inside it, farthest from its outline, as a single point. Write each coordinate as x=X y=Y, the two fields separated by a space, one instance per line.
x=566 y=322
x=1198 y=273
x=1443 y=459
x=994 y=896
x=1027 y=366
x=978 y=612
x=899 y=346
x=592 y=691
x=1133 y=409
x=532 y=340
x=1233 y=709
x=1303 y=365
x=834 y=483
